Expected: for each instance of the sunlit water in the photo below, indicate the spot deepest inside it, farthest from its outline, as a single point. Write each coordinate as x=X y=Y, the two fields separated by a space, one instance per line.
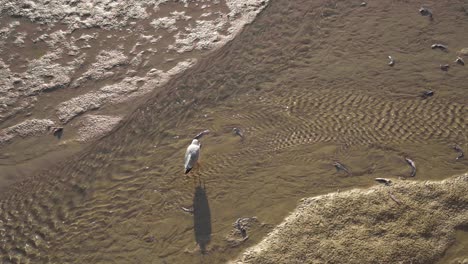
x=308 y=83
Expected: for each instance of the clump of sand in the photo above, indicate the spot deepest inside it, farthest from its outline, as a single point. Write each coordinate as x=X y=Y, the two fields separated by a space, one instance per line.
x=27 y=128
x=407 y=222
x=93 y=126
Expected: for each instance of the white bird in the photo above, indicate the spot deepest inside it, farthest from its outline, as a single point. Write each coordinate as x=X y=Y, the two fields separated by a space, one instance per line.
x=191 y=155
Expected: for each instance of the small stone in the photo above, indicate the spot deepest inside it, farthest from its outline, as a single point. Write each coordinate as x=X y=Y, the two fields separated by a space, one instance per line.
x=444 y=67
x=383 y=180
x=425 y=12
x=238 y=132
x=149 y=239
x=439 y=46
x=427 y=94
x=391 y=62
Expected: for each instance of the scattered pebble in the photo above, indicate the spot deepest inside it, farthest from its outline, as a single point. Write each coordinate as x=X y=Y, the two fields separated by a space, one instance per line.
x=240 y=228
x=341 y=167
x=242 y=224
x=444 y=67
x=460 y=61
x=149 y=239
x=460 y=152
x=187 y=210
x=425 y=12
x=383 y=180
x=392 y=61
x=439 y=46
x=363 y=4
x=238 y=132
x=413 y=166
x=427 y=94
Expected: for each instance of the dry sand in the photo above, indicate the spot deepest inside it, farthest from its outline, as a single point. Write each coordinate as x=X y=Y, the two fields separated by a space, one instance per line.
x=407 y=222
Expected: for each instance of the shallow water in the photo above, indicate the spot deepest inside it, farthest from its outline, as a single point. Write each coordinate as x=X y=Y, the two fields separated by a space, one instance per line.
x=308 y=83
x=457 y=252
x=21 y=158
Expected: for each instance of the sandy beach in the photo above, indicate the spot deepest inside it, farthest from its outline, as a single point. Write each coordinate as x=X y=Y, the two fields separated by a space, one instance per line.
x=98 y=103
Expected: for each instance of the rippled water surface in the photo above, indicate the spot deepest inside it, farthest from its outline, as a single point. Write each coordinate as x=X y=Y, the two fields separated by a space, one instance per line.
x=308 y=83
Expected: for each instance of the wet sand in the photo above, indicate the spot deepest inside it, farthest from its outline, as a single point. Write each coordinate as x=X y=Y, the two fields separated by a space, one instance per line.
x=62 y=66
x=309 y=84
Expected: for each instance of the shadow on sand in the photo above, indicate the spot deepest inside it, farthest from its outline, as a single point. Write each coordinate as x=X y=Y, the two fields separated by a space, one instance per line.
x=201 y=218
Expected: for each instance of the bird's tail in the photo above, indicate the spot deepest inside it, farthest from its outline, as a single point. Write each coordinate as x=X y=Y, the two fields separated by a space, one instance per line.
x=187 y=170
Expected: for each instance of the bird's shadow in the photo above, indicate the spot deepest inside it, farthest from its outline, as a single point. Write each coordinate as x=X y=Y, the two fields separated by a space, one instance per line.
x=201 y=217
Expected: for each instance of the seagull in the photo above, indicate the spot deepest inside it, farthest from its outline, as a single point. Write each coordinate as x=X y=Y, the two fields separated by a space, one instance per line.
x=191 y=155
